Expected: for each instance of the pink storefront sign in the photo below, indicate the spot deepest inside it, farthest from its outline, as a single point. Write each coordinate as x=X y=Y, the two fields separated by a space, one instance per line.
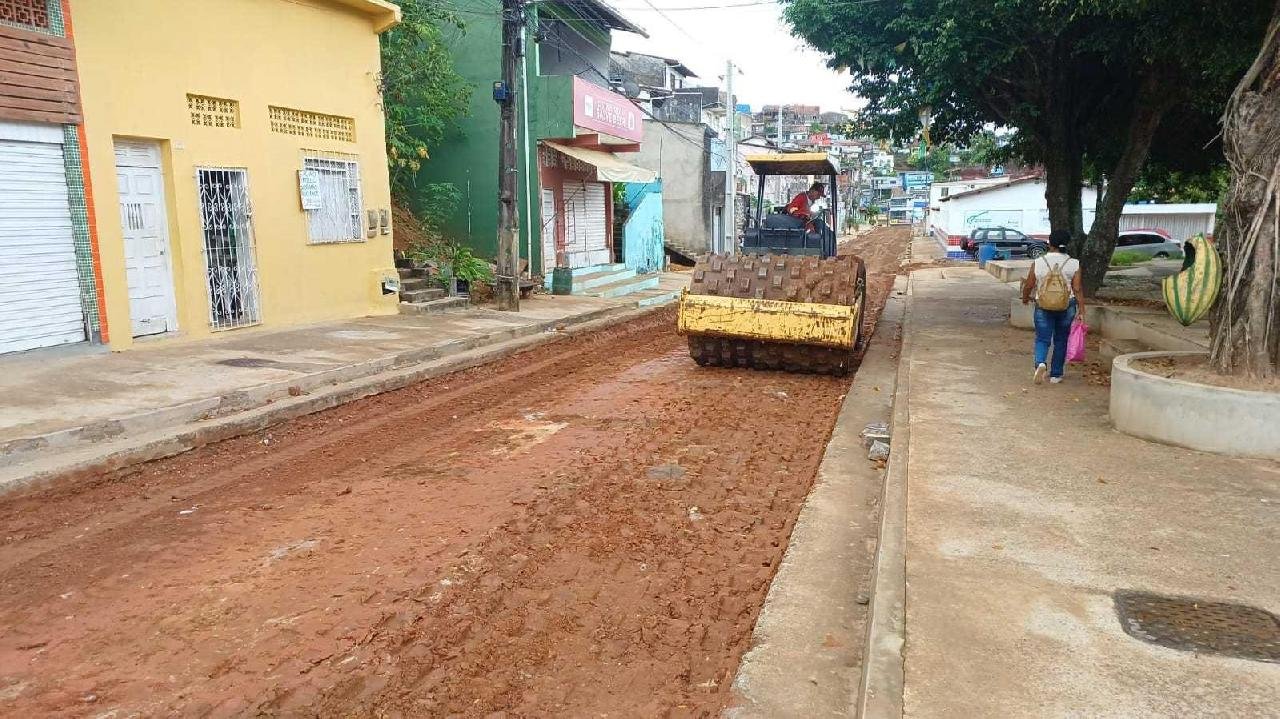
x=595 y=108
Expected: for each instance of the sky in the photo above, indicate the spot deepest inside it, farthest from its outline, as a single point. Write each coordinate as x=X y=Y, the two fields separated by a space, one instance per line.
x=776 y=67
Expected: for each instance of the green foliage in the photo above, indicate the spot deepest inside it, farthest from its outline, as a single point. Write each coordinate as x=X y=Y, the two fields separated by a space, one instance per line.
x=1027 y=63
x=422 y=94
x=431 y=203
x=937 y=161
x=1086 y=84
x=1126 y=259
x=450 y=260
x=987 y=149
x=466 y=266
x=1160 y=184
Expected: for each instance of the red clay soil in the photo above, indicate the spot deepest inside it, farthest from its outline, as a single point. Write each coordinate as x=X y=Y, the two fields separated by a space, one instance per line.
x=584 y=529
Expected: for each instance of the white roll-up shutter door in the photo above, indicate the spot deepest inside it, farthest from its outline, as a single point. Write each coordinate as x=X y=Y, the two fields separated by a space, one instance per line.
x=597 y=225
x=39 y=286
x=585 y=232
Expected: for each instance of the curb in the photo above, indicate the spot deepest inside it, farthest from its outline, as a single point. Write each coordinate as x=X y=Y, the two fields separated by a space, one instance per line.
x=14 y=453
x=194 y=424
x=804 y=658
x=883 y=670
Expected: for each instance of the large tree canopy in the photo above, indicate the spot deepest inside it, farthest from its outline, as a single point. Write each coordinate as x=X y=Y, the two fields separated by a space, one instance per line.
x=1077 y=79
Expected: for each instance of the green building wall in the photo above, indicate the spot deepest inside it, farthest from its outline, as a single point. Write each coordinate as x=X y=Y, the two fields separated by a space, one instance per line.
x=468 y=157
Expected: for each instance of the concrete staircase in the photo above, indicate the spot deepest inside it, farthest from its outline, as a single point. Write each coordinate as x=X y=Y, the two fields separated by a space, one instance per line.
x=683 y=251
x=419 y=295
x=1125 y=330
x=613 y=280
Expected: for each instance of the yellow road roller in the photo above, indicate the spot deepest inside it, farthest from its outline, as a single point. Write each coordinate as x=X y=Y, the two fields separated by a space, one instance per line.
x=784 y=300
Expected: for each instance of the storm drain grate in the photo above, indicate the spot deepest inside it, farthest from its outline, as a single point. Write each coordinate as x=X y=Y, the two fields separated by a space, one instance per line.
x=248 y=362
x=1196 y=625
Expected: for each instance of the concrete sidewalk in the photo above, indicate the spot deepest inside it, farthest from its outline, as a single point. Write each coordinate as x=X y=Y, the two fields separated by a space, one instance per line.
x=61 y=408
x=1026 y=511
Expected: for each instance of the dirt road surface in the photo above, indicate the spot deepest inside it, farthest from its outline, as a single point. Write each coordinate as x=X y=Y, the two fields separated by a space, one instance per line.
x=584 y=529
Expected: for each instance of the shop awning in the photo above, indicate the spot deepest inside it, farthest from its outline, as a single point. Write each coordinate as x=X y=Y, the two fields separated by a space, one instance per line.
x=609 y=167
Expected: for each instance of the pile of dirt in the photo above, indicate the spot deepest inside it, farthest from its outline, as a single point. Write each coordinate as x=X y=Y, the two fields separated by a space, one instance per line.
x=1196 y=368
x=408 y=228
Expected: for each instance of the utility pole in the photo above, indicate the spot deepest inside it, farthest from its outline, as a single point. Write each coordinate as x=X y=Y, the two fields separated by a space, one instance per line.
x=507 y=289
x=730 y=175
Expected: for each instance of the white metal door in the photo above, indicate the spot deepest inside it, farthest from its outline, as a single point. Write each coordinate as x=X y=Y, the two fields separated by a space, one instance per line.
x=145 y=223
x=585 y=233
x=39 y=285
x=548 y=231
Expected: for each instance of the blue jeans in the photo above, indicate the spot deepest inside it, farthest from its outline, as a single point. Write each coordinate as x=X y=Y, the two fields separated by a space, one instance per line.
x=1054 y=328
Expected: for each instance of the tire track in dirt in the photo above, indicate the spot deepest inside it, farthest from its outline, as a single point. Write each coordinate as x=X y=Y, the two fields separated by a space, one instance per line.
x=586 y=527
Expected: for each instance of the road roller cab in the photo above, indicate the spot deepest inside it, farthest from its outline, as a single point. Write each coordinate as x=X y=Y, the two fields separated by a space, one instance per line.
x=786 y=300
x=770 y=230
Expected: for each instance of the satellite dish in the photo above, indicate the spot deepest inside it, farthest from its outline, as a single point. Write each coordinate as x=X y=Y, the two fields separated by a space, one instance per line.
x=630 y=88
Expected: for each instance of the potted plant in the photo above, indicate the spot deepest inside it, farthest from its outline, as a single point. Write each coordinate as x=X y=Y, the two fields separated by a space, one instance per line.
x=466 y=268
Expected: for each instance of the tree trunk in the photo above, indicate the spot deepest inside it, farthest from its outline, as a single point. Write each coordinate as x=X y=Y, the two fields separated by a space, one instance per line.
x=1152 y=101
x=1063 y=151
x=1244 y=324
x=1064 y=170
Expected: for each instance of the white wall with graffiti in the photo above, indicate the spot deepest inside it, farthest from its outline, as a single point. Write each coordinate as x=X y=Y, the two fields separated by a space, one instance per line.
x=956 y=211
x=958 y=208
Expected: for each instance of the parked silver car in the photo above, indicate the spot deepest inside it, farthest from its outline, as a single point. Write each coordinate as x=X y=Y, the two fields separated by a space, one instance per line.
x=1153 y=243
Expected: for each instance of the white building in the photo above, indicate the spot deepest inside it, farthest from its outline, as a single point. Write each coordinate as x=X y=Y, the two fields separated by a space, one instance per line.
x=882 y=162
x=958 y=208
x=1182 y=221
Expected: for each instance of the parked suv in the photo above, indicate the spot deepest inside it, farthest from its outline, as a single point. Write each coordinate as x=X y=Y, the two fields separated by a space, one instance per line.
x=1006 y=239
x=1152 y=243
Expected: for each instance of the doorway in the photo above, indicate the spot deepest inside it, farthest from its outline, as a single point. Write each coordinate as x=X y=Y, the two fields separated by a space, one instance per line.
x=231 y=269
x=145 y=224
x=548 y=232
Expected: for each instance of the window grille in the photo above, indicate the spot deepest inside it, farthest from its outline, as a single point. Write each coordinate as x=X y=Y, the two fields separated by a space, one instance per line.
x=312 y=124
x=213 y=111
x=339 y=218
x=231 y=268
x=32 y=14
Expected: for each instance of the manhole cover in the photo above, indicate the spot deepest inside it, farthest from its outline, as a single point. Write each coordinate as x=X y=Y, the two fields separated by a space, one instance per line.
x=248 y=362
x=1195 y=625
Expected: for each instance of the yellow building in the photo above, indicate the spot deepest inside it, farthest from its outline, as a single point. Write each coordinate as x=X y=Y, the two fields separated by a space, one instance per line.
x=237 y=162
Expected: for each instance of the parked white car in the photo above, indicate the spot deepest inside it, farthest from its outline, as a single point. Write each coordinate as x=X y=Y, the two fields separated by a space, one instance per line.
x=1154 y=243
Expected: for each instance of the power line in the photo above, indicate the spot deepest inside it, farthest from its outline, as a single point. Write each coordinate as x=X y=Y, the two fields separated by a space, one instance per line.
x=673 y=23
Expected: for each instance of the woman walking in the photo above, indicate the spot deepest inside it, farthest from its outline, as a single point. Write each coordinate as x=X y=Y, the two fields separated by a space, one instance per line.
x=1059 y=295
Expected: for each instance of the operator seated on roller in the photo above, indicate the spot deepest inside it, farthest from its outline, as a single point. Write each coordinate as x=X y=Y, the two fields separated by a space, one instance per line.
x=801 y=206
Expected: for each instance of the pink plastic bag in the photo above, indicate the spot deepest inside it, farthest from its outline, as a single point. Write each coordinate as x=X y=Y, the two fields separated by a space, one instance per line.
x=1076 y=340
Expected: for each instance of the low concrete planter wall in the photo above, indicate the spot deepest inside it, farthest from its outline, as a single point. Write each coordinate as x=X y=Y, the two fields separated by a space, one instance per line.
x=1022 y=316
x=1009 y=270
x=1236 y=422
